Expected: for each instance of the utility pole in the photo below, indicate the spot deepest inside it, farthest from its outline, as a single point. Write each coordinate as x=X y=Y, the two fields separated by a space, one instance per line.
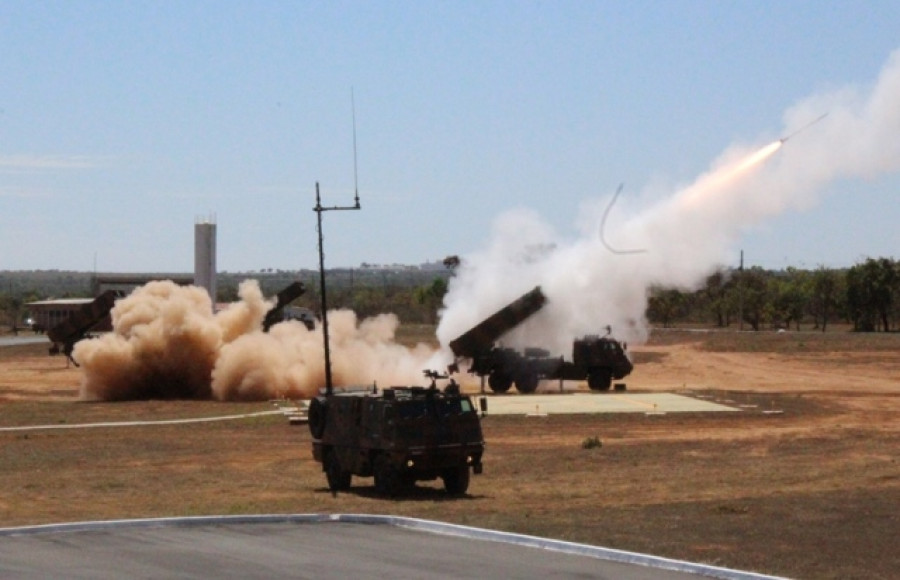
x=319 y=209
x=741 y=293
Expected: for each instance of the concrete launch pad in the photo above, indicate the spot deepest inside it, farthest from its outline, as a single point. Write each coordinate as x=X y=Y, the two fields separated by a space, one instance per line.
x=569 y=403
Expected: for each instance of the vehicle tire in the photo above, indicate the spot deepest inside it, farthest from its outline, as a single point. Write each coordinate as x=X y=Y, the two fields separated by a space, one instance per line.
x=527 y=383
x=338 y=479
x=388 y=480
x=456 y=480
x=316 y=415
x=599 y=379
x=499 y=382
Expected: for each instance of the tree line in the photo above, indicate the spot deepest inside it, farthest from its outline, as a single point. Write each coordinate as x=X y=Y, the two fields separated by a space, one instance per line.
x=414 y=295
x=866 y=296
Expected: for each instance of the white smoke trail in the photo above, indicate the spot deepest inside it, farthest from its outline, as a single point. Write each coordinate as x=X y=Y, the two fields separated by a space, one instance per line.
x=686 y=236
x=167 y=343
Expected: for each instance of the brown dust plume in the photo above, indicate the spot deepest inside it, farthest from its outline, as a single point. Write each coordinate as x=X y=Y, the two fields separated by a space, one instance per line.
x=166 y=343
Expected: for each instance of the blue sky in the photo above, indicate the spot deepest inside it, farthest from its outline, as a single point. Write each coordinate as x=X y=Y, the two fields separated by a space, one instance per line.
x=121 y=123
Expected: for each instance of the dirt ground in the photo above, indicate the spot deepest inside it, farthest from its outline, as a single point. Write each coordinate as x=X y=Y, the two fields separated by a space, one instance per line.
x=803 y=482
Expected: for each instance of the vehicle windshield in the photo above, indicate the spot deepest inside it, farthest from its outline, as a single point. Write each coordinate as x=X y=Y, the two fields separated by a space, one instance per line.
x=441 y=407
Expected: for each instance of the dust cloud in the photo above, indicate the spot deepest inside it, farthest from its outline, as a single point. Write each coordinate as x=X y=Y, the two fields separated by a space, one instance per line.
x=166 y=343
x=682 y=238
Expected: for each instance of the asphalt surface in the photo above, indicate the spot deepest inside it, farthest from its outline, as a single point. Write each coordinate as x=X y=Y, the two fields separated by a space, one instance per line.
x=12 y=340
x=298 y=549
x=260 y=548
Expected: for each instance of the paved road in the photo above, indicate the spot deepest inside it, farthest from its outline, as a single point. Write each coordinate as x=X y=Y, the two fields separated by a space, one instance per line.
x=10 y=340
x=273 y=548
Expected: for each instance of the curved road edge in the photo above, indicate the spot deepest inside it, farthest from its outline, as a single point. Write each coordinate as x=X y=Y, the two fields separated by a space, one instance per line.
x=140 y=423
x=429 y=526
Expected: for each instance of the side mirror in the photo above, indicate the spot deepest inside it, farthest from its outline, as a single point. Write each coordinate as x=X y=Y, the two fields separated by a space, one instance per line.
x=482 y=404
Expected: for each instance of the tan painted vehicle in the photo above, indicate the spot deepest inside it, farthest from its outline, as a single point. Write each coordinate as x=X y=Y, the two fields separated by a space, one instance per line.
x=399 y=435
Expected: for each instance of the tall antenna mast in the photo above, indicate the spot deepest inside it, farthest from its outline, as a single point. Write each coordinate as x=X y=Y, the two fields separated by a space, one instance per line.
x=319 y=209
x=355 y=174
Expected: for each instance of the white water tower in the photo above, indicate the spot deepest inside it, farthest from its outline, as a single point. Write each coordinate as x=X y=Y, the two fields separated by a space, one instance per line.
x=205 y=256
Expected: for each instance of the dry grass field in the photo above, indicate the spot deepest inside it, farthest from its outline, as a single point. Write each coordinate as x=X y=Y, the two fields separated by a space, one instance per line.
x=803 y=482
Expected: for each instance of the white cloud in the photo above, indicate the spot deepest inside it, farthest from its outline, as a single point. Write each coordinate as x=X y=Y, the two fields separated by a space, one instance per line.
x=26 y=162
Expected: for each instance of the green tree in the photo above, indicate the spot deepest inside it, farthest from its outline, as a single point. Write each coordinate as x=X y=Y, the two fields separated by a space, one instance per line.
x=824 y=295
x=872 y=288
x=754 y=289
x=790 y=294
x=665 y=305
x=431 y=297
x=720 y=297
x=11 y=311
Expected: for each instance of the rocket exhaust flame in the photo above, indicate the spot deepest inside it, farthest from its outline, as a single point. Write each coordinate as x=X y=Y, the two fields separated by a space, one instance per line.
x=726 y=175
x=687 y=234
x=167 y=342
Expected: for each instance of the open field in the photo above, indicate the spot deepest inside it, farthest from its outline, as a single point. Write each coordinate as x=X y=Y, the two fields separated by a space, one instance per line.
x=803 y=482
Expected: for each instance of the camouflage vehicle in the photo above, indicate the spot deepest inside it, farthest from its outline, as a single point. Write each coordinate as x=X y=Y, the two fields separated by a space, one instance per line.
x=79 y=324
x=399 y=435
x=596 y=359
x=281 y=311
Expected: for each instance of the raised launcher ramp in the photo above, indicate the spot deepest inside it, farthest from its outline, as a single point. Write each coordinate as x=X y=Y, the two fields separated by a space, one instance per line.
x=480 y=338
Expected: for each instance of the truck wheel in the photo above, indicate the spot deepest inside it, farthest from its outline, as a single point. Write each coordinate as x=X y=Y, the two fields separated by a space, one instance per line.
x=316 y=417
x=527 y=383
x=600 y=379
x=499 y=382
x=456 y=480
x=387 y=477
x=338 y=479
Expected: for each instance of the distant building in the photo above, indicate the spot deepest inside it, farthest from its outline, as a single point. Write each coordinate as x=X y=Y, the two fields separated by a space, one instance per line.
x=128 y=282
x=45 y=314
x=437 y=266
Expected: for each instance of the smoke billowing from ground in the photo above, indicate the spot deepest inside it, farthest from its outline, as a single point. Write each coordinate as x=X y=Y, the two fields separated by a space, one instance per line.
x=167 y=344
x=685 y=237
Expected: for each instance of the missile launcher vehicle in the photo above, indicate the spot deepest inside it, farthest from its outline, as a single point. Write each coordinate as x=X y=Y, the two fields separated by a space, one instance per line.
x=281 y=311
x=80 y=323
x=597 y=359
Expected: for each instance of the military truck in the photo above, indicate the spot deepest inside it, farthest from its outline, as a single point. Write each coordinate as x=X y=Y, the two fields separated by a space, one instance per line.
x=597 y=359
x=79 y=324
x=399 y=435
x=281 y=311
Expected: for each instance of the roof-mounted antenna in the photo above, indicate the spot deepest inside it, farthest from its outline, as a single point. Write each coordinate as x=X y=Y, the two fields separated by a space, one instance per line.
x=355 y=173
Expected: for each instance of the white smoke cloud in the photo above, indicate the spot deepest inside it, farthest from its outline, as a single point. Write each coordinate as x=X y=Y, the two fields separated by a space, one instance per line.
x=685 y=236
x=167 y=343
